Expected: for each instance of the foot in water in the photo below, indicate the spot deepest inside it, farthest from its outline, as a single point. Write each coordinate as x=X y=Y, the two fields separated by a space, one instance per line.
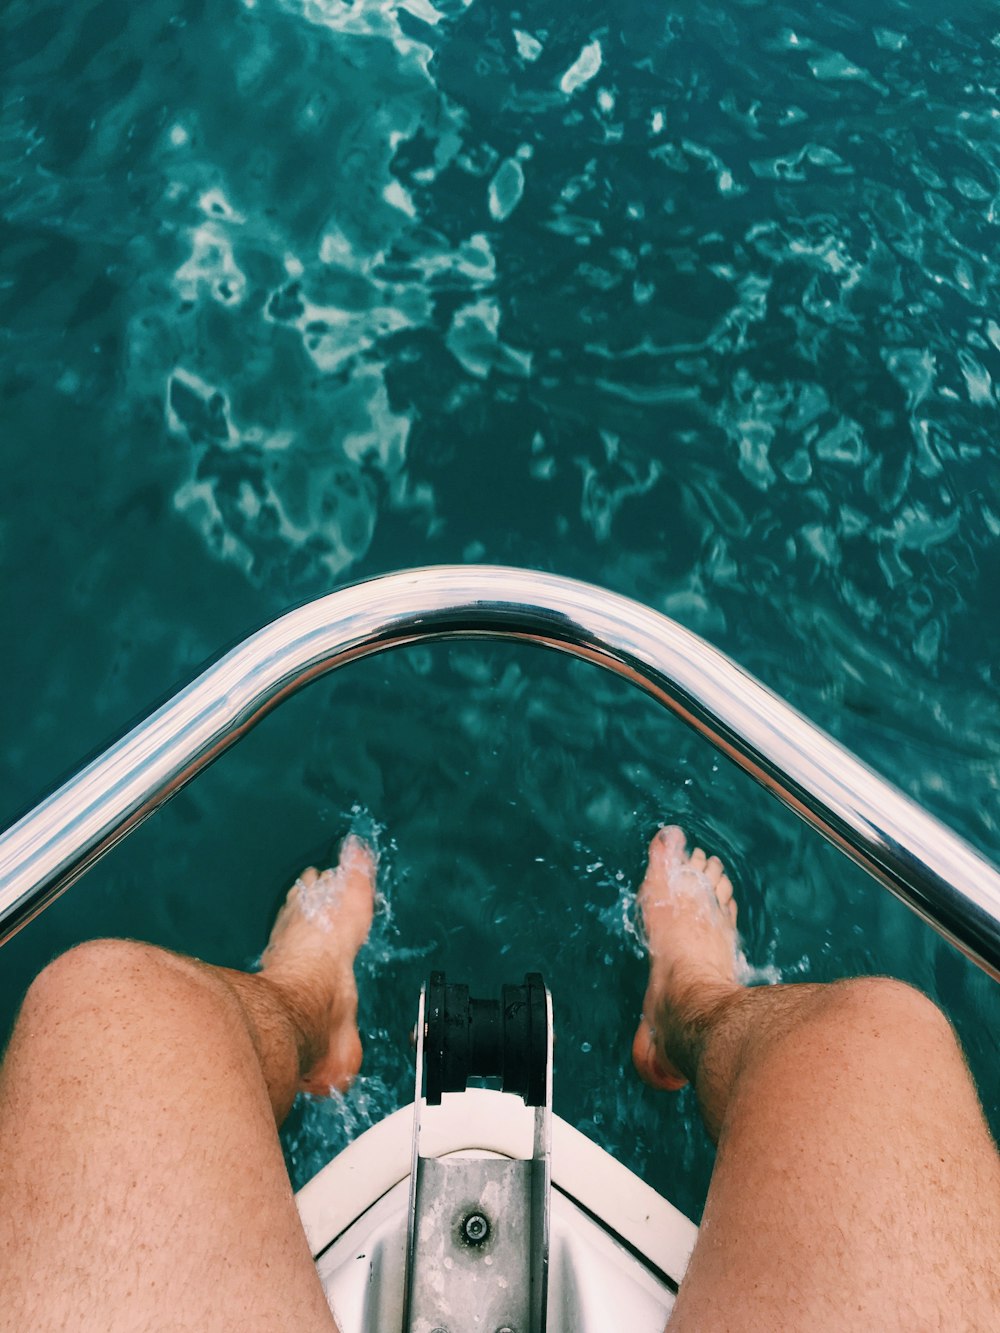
x=689 y=915
x=323 y=923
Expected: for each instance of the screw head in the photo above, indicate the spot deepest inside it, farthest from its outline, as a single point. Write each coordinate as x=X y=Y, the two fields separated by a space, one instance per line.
x=475 y=1228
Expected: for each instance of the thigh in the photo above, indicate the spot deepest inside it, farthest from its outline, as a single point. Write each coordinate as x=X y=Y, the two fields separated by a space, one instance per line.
x=856 y=1184
x=142 y=1184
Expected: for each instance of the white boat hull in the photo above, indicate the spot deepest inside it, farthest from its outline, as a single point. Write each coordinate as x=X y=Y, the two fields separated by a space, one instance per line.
x=617 y=1251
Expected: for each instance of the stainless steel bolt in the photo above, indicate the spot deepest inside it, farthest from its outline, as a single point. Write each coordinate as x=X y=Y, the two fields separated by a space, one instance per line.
x=476 y=1228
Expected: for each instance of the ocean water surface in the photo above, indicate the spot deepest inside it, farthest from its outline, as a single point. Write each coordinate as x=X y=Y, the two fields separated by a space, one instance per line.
x=699 y=302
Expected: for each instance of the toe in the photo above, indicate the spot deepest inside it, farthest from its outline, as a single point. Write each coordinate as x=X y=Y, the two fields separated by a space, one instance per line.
x=669 y=841
x=732 y=910
x=357 y=856
x=698 y=859
x=308 y=877
x=357 y=872
x=713 y=870
x=724 y=890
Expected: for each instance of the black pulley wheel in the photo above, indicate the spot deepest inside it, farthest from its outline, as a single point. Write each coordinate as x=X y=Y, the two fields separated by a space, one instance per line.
x=505 y=1039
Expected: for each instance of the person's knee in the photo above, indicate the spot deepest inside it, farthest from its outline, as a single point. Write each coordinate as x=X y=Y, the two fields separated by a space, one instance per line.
x=888 y=995
x=871 y=1033
x=885 y=1004
x=97 y=972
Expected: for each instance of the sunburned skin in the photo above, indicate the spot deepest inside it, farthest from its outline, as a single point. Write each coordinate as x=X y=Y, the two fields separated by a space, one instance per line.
x=689 y=916
x=321 y=926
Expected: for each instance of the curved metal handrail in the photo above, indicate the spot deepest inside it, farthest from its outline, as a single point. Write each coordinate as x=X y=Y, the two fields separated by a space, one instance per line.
x=926 y=865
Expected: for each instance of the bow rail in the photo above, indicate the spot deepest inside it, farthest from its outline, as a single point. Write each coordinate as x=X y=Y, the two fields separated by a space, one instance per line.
x=921 y=861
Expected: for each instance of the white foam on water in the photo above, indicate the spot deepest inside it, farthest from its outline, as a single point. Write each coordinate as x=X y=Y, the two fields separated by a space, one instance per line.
x=583 y=69
x=978 y=381
x=505 y=189
x=199 y=391
x=371 y=18
x=473 y=339
x=422 y=9
x=528 y=48
x=215 y=205
x=915 y=369
x=321 y=1127
x=213 y=266
x=834 y=65
x=398 y=197
x=335 y=248
x=334 y=336
x=472 y=262
x=747 y=974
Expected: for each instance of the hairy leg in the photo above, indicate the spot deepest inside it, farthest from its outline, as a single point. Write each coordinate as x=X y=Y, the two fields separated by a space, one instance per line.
x=142 y=1184
x=856 y=1184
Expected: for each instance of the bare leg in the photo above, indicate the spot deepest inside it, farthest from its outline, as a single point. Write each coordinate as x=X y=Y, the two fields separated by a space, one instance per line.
x=142 y=1184
x=856 y=1184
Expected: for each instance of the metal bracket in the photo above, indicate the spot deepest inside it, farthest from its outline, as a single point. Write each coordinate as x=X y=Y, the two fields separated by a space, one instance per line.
x=478 y=1235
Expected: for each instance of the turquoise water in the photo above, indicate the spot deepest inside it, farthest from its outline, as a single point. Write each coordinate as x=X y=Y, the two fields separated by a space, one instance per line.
x=699 y=303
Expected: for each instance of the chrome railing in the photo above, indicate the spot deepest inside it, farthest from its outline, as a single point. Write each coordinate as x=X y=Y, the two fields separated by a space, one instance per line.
x=926 y=865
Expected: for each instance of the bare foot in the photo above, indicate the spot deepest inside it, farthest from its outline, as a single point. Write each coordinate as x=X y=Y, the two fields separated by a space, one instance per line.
x=689 y=914
x=323 y=923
